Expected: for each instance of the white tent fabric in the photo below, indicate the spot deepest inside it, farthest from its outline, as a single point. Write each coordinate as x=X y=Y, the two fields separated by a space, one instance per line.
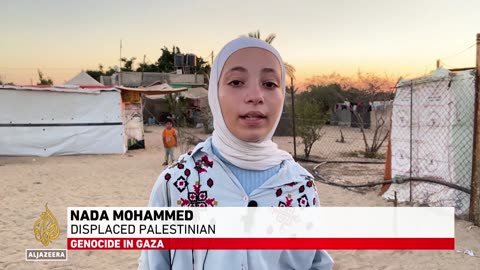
x=59 y=88
x=441 y=138
x=83 y=78
x=195 y=93
x=155 y=89
x=44 y=123
x=190 y=93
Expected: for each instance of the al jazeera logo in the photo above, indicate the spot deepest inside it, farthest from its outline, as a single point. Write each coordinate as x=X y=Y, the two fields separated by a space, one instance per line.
x=46 y=229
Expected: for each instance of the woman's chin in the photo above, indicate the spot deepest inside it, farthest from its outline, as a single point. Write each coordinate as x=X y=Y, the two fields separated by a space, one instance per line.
x=252 y=138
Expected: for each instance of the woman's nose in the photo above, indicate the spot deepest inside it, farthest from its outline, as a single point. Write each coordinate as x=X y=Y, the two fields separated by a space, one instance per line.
x=254 y=95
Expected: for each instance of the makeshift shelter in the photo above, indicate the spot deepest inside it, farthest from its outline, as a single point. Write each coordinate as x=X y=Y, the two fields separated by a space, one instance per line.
x=197 y=95
x=344 y=114
x=60 y=120
x=432 y=137
x=156 y=105
x=83 y=79
x=133 y=112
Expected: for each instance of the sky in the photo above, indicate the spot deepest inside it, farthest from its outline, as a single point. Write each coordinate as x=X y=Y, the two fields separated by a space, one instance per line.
x=318 y=37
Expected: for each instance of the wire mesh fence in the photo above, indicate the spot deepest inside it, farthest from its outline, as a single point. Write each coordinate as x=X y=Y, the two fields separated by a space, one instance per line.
x=431 y=126
x=432 y=137
x=341 y=137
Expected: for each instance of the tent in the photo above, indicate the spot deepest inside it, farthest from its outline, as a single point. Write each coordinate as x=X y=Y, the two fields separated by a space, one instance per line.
x=155 y=89
x=156 y=105
x=133 y=112
x=197 y=95
x=432 y=137
x=60 y=120
x=83 y=79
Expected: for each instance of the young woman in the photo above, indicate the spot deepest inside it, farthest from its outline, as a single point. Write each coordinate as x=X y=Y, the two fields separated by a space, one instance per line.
x=239 y=165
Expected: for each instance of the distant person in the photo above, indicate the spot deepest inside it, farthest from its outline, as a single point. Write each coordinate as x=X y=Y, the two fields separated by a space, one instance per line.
x=169 y=136
x=239 y=165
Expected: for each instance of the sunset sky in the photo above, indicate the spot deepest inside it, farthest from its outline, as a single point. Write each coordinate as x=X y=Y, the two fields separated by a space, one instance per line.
x=396 y=38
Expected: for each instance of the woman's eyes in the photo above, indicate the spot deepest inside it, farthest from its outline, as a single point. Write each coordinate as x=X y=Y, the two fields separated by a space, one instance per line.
x=235 y=83
x=270 y=85
x=239 y=83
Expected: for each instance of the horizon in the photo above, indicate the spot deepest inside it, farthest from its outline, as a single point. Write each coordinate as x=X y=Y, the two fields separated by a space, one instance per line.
x=318 y=38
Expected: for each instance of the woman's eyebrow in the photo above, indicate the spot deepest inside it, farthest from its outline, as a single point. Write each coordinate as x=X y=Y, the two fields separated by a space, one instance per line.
x=268 y=70
x=238 y=68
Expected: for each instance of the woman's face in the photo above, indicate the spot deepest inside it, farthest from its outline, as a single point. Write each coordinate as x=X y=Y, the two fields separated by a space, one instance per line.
x=250 y=94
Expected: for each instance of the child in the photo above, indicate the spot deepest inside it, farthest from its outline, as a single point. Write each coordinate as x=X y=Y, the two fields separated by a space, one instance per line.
x=169 y=136
x=239 y=165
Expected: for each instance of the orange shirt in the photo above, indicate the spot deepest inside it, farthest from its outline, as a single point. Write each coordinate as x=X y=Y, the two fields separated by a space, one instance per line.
x=169 y=137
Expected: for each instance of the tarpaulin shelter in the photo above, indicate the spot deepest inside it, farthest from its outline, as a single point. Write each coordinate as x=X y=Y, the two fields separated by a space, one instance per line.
x=60 y=120
x=83 y=79
x=196 y=97
x=432 y=137
x=133 y=110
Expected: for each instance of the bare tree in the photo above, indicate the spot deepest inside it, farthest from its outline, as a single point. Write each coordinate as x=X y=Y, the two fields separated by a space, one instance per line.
x=380 y=134
x=376 y=89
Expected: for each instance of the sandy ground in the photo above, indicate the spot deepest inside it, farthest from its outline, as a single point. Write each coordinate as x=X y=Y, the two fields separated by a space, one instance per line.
x=126 y=180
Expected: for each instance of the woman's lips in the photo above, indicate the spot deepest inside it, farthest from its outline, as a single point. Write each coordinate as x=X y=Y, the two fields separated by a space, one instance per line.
x=253 y=118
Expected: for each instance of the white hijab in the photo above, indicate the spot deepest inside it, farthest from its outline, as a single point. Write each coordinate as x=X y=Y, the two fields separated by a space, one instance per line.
x=260 y=155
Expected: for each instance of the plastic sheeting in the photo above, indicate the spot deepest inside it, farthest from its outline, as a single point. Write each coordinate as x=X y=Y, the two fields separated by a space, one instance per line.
x=44 y=123
x=441 y=129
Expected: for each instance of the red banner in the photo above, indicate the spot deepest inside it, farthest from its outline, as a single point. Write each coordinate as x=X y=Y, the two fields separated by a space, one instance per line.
x=262 y=243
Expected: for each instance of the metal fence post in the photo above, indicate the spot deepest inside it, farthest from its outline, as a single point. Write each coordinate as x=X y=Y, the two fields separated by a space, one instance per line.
x=411 y=138
x=475 y=187
x=293 y=121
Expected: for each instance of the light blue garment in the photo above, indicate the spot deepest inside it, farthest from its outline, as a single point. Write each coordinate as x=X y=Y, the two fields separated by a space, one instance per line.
x=249 y=179
x=201 y=168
